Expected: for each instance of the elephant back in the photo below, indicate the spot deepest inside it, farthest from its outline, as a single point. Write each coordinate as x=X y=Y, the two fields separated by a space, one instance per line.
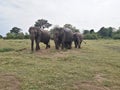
x=68 y=34
x=45 y=36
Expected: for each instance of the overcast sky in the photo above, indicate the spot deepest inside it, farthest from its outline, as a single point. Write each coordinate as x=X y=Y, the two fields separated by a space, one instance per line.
x=83 y=14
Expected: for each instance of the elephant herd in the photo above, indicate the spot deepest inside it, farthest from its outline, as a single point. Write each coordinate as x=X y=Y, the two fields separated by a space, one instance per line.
x=63 y=38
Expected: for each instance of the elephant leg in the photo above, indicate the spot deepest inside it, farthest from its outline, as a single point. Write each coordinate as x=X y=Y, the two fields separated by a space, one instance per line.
x=32 y=45
x=37 y=44
x=47 y=46
x=63 y=45
x=75 y=44
x=79 y=45
x=66 y=45
x=57 y=45
x=70 y=45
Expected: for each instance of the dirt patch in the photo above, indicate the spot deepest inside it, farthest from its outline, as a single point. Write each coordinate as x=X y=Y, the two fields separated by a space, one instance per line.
x=56 y=54
x=51 y=54
x=88 y=86
x=9 y=82
x=99 y=78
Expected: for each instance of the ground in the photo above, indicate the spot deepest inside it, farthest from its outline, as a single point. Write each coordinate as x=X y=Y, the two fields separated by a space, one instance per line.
x=96 y=66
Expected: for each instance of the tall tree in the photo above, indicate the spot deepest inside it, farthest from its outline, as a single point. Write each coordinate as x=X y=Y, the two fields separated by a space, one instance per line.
x=74 y=29
x=105 y=32
x=86 y=32
x=42 y=23
x=1 y=36
x=92 y=31
x=15 y=30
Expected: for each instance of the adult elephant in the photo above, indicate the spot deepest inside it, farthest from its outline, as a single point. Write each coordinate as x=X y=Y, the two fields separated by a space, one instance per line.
x=63 y=38
x=39 y=36
x=77 y=38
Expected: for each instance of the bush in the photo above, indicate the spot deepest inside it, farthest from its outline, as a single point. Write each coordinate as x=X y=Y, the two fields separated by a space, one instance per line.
x=26 y=36
x=116 y=36
x=91 y=36
x=1 y=36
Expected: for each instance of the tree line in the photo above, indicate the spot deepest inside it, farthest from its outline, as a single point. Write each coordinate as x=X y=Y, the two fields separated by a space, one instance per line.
x=103 y=33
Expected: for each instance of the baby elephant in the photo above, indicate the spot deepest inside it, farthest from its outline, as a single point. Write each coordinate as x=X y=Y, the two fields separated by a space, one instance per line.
x=77 y=38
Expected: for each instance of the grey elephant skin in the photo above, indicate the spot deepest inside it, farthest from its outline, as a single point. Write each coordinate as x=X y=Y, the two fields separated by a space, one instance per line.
x=38 y=35
x=63 y=38
x=77 y=38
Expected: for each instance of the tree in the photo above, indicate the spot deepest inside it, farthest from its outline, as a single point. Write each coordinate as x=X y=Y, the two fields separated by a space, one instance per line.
x=10 y=36
x=86 y=32
x=26 y=36
x=1 y=36
x=92 y=36
x=105 y=32
x=15 y=30
x=92 y=31
x=74 y=29
x=116 y=34
x=42 y=23
x=20 y=35
x=15 y=33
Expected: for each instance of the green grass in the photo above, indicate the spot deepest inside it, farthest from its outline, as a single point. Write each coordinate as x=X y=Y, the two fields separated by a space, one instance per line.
x=96 y=66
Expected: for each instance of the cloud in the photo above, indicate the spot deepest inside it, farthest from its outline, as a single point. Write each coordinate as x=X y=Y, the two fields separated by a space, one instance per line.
x=84 y=14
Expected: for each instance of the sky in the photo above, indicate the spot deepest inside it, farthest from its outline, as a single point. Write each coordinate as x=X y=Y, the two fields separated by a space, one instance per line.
x=83 y=14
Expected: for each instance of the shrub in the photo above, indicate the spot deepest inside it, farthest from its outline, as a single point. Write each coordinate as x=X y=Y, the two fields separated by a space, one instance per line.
x=116 y=36
x=91 y=36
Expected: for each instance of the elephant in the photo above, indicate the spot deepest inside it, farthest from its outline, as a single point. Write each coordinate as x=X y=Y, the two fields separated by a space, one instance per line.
x=63 y=38
x=77 y=38
x=39 y=35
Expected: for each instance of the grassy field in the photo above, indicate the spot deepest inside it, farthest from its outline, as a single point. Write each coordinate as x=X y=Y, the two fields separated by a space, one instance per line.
x=96 y=66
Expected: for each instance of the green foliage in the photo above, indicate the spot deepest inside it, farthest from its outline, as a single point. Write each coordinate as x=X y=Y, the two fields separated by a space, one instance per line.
x=15 y=30
x=42 y=23
x=16 y=33
x=86 y=32
x=10 y=36
x=92 y=31
x=20 y=36
x=6 y=49
x=15 y=36
x=74 y=29
x=26 y=36
x=105 y=32
x=91 y=36
x=1 y=36
x=116 y=35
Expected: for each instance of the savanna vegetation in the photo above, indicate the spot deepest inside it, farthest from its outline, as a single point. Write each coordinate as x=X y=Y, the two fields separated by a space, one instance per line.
x=102 y=33
x=96 y=66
